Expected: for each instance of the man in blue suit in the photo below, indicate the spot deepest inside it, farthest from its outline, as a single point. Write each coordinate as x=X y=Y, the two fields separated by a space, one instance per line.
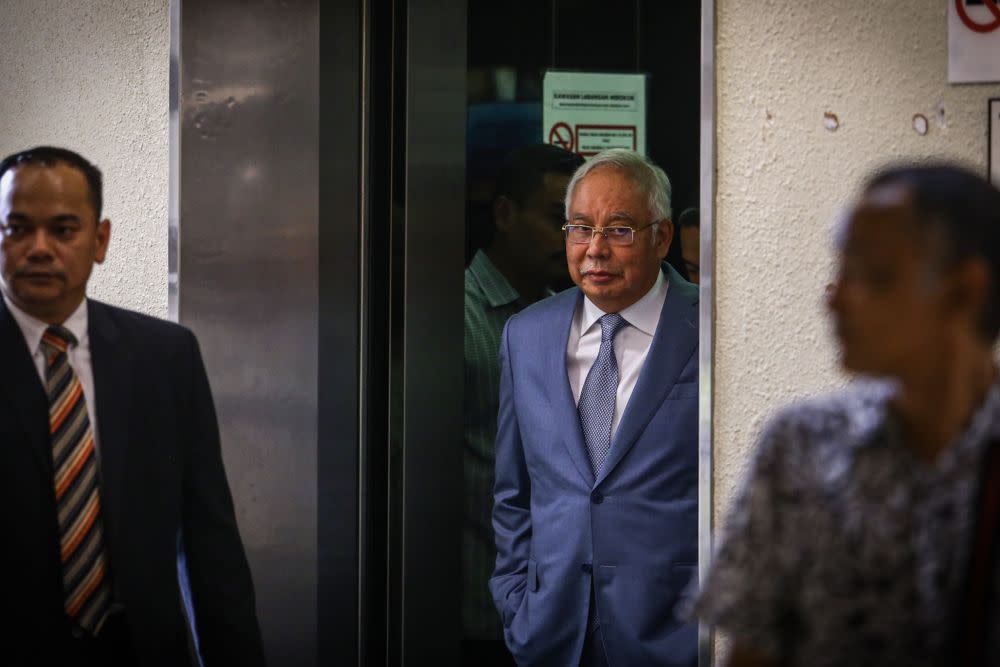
x=595 y=509
x=596 y=457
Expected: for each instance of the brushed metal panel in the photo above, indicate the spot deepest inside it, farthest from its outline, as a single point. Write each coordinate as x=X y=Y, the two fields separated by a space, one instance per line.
x=174 y=142
x=435 y=246
x=248 y=269
x=340 y=333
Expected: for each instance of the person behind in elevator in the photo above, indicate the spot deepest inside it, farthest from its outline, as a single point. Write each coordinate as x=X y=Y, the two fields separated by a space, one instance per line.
x=852 y=538
x=689 y=231
x=595 y=512
x=525 y=258
x=110 y=464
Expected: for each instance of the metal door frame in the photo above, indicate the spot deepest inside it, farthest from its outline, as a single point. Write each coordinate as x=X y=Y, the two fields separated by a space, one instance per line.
x=706 y=312
x=412 y=250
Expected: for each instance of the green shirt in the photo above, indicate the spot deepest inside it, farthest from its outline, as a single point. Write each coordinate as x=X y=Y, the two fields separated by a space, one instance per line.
x=489 y=302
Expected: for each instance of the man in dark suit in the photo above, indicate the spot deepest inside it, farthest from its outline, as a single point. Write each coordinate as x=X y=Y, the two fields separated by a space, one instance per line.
x=110 y=466
x=595 y=510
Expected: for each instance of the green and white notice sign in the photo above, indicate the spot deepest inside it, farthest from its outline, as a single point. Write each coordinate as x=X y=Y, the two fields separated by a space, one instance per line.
x=588 y=112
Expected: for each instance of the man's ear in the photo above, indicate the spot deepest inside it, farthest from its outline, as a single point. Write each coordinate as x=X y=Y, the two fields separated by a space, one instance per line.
x=103 y=239
x=504 y=213
x=970 y=288
x=664 y=237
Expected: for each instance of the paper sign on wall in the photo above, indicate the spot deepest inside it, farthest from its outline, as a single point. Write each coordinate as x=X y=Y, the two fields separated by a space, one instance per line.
x=973 y=41
x=587 y=112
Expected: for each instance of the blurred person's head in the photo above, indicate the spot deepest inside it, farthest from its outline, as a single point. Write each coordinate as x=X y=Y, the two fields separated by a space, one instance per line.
x=528 y=199
x=51 y=231
x=617 y=188
x=689 y=231
x=919 y=271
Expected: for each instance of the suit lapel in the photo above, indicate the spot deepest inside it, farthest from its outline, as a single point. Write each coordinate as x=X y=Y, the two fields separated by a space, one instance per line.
x=112 y=366
x=563 y=403
x=675 y=340
x=21 y=388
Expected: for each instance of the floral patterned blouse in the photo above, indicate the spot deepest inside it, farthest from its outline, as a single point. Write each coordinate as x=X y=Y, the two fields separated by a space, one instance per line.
x=844 y=548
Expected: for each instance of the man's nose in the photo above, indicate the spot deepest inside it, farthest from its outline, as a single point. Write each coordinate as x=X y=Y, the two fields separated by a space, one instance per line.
x=598 y=245
x=833 y=296
x=41 y=244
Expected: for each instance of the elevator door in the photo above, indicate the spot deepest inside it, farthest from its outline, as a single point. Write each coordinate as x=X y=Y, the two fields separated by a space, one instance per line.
x=329 y=188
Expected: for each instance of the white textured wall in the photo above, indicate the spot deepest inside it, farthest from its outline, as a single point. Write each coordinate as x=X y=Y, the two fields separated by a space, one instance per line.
x=92 y=76
x=783 y=177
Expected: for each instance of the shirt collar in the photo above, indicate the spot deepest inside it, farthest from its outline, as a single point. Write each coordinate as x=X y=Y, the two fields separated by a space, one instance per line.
x=982 y=428
x=32 y=328
x=496 y=289
x=644 y=314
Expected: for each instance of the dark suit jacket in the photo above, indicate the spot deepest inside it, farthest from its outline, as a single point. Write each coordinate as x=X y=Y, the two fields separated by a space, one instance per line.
x=162 y=481
x=631 y=532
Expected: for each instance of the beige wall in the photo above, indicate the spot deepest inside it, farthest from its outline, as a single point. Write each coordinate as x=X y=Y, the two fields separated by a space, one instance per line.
x=783 y=178
x=92 y=76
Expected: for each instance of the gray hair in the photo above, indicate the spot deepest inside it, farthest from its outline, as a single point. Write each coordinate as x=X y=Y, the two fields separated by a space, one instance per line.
x=637 y=168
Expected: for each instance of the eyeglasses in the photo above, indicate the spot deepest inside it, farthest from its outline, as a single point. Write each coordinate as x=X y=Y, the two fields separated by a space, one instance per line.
x=617 y=235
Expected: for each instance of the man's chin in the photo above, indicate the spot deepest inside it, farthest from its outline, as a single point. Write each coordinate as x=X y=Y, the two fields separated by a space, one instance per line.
x=600 y=293
x=37 y=299
x=855 y=364
x=38 y=293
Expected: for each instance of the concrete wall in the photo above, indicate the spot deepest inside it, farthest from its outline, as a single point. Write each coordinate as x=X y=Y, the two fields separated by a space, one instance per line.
x=93 y=77
x=783 y=177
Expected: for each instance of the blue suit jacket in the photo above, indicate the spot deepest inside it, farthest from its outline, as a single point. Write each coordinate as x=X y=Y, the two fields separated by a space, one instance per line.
x=632 y=529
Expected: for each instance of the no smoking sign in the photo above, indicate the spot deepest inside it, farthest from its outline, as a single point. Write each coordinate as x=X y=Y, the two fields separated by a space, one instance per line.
x=561 y=135
x=971 y=23
x=973 y=41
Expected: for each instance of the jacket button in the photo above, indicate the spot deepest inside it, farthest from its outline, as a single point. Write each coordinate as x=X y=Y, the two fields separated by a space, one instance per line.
x=597 y=497
x=587 y=569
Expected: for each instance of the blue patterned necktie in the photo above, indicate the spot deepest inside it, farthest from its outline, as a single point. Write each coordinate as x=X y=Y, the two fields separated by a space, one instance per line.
x=597 y=400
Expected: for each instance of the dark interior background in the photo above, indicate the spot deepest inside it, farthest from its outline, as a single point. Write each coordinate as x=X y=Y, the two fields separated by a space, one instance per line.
x=523 y=38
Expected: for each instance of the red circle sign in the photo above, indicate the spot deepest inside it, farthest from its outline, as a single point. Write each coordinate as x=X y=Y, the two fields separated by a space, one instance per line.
x=971 y=24
x=561 y=135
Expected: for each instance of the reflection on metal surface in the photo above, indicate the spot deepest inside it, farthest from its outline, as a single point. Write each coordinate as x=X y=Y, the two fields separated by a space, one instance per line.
x=706 y=311
x=340 y=142
x=174 y=141
x=248 y=217
x=426 y=444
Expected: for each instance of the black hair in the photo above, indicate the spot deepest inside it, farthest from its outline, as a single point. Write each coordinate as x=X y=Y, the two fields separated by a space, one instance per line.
x=524 y=169
x=689 y=218
x=49 y=156
x=962 y=209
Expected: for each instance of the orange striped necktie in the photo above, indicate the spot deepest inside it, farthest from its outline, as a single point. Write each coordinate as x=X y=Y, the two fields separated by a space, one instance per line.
x=78 y=503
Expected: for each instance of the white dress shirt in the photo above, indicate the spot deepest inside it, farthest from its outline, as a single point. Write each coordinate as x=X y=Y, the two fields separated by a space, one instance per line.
x=79 y=354
x=631 y=344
